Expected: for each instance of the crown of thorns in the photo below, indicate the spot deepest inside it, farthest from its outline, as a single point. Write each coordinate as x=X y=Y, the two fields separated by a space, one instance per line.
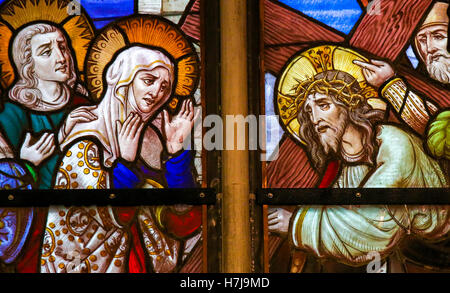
x=339 y=84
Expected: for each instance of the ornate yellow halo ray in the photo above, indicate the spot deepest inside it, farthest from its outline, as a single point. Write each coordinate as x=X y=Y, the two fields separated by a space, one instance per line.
x=18 y=13
x=304 y=67
x=146 y=30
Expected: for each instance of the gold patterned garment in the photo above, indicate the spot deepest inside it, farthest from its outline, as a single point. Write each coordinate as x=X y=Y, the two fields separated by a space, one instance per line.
x=163 y=250
x=412 y=109
x=82 y=239
x=83 y=156
x=79 y=239
x=92 y=239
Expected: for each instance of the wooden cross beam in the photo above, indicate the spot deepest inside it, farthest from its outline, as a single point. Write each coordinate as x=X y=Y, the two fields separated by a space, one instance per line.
x=282 y=39
x=386 y=29
x=190 y=24
x=287 y=32
x=387 y=35
x=384 y=35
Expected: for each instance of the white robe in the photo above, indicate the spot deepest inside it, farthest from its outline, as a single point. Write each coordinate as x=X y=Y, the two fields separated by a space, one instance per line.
x=350 y=233
x=92 y=239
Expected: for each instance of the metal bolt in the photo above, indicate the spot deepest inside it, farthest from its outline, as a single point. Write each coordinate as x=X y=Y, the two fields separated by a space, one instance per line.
x=112 y=196
x=270 y=195
x=202 y=194
x=10 y=197
x=358 y=194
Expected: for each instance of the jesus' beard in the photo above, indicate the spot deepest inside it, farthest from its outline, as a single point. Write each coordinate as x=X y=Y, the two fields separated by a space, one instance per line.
x=439 y=68
x=331 y=142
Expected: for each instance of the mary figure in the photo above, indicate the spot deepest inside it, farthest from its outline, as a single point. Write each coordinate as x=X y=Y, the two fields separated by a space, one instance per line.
x=104 y=153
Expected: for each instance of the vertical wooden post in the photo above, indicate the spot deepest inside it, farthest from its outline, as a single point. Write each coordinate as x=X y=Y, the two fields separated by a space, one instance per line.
x=265 y=208
x=236 y=252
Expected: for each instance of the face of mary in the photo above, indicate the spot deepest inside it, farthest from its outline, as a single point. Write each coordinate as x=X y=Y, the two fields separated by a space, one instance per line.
x=151 y=89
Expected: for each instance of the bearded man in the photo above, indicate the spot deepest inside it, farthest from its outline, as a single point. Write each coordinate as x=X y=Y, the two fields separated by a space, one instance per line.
x=431 y=45
x=337 y=123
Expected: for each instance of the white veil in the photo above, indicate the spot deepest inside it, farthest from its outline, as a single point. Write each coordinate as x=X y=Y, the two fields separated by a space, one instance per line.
x=119 y=101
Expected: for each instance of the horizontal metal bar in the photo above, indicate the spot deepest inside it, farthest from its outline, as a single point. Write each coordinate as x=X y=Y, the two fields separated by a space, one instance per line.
x=104 y=197
x=353 y=196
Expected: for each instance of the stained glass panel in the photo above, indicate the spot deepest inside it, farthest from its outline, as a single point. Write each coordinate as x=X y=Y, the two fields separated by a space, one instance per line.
x=100 y=97
x=358 y=108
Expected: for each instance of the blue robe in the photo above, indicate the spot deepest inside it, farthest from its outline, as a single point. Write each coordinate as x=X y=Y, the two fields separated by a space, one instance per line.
x=177 y=174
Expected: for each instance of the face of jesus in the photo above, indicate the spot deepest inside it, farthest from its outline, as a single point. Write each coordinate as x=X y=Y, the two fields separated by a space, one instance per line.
x=51 y=57
x=151 y=89
x=328 y=119
x=432 y=45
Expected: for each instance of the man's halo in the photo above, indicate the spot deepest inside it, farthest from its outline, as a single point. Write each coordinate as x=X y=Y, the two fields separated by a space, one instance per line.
x=307 y=64
x=16 y=14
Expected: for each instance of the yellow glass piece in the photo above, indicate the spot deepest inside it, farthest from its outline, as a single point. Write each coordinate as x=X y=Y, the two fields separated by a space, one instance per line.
x=304 y=67
x=145 y=30
x=19 y=13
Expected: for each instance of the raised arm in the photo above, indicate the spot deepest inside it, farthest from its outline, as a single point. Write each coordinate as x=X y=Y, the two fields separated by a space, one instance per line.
x=409 y=106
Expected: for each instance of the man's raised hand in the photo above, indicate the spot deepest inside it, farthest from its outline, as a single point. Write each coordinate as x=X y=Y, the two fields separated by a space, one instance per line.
x=39 y=151
x=376 y=72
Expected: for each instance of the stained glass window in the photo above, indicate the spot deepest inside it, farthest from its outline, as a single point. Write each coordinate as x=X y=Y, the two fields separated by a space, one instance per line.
x=115 y=150
x=336 y=177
